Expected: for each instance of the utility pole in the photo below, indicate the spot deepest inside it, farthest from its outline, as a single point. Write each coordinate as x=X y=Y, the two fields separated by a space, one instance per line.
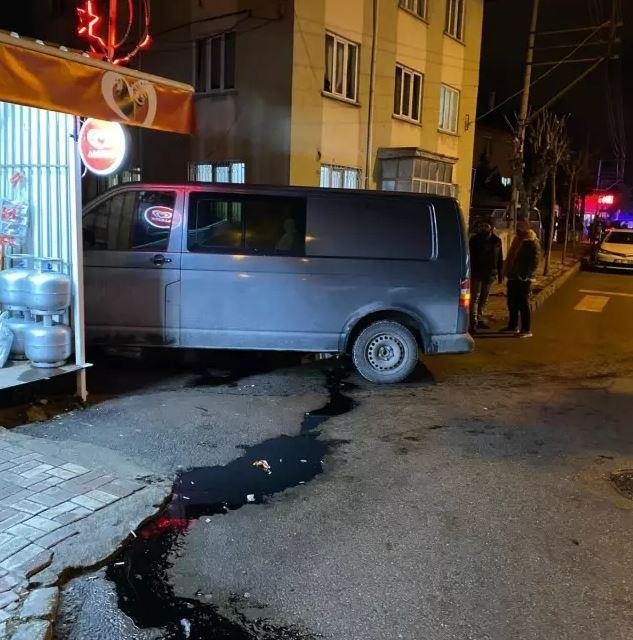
x=369 y=150
x=525 y=100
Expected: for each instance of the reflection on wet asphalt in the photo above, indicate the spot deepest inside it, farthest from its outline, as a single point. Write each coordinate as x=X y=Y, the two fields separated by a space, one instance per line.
x=141 y=571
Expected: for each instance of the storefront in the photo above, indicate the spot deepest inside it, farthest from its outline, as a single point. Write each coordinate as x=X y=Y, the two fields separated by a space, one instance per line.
x=45 y=148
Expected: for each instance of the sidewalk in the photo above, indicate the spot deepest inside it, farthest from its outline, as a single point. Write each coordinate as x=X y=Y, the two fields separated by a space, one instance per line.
x=52 y=501
x=543 y=287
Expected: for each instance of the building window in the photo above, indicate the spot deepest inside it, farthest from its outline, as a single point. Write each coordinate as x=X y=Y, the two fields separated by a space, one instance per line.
x=341 y=68
x=214 y=63
x=123 y=177
x=408 y=94
x=416 y=7
x=418 y=175
x=232 y=172
x=455 y=18
x=336 y=177
x=449 y=109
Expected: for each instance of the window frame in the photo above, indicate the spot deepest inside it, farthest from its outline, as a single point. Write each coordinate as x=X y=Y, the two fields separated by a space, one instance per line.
x=239 y=198
x=203 y=47
x=455 y=19
x=331 y=92
x=445 y=90
x=404 y=70
x=233 y=167
x=136 y=195
x=344 y=174
x=419 y=8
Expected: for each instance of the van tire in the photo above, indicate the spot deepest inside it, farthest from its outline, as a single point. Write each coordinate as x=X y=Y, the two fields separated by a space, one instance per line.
x=385 y=352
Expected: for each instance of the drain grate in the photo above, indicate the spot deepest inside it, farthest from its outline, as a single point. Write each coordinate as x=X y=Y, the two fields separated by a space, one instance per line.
x=623 y=482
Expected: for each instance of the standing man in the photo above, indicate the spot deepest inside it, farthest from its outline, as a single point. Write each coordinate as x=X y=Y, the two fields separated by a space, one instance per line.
x=486 y=264
x=520 y=269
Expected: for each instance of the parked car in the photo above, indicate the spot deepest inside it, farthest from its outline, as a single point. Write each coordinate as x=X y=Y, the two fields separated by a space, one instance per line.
x=380 y=276
x=615 y=251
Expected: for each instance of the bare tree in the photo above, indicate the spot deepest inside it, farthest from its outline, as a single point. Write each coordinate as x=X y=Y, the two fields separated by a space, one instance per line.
x=550 y=134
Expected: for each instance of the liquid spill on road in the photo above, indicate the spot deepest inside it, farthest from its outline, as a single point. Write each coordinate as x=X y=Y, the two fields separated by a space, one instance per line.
x=141 y=571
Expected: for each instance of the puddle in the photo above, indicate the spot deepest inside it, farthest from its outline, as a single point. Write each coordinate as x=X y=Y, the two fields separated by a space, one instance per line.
x=140 y=571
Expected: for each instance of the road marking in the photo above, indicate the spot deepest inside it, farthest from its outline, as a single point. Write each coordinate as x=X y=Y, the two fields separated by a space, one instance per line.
x=607 y=293
x=595 y=304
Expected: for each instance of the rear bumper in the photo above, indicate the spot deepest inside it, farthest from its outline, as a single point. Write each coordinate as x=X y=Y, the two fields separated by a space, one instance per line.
x=611 y=266
x=450 y=343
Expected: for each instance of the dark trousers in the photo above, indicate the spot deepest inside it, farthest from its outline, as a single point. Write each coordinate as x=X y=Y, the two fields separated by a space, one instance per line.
x=519 y=304
x=479 y=293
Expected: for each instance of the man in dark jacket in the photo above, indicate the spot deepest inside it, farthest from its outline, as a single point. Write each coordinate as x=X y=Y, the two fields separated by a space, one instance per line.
x=486 y=264
x=520 y=269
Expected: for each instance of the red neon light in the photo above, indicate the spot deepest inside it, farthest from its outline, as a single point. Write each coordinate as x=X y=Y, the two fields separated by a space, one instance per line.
x=89 y=22
x=105 y=46
x=607 y=199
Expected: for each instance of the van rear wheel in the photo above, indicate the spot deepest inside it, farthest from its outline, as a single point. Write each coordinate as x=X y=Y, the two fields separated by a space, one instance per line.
x=385 y=352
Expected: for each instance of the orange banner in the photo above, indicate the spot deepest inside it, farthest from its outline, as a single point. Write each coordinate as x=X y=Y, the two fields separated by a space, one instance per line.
x=70 y=83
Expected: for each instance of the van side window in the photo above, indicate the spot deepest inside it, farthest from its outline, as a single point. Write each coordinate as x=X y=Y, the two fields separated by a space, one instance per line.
x=262 y=225
x=131 y=221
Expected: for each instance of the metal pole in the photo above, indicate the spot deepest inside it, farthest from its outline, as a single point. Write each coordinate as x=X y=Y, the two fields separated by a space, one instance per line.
x=372 y=91
x=77 y=266
x=525 y=99
x=112 y=18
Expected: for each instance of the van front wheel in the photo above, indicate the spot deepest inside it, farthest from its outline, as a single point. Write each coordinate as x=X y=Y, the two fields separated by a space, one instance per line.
x=385 y=352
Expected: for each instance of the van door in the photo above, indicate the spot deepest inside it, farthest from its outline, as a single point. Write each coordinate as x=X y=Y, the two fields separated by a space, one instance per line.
x=132 y=267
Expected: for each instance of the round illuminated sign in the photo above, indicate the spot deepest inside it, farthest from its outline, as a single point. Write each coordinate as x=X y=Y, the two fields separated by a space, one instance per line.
x=162 y=217
x=102 y=146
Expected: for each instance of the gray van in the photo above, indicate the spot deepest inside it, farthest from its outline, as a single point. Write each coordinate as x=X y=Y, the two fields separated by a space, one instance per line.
x=380 y=276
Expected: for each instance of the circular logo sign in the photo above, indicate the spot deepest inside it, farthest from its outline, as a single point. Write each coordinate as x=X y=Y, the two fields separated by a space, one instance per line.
x=102 y=146
x=162 y=217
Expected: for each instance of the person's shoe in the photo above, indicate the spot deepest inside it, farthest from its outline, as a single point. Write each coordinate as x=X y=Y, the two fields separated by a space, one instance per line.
x=525 y=334
x=482 y=325
x=509 y=330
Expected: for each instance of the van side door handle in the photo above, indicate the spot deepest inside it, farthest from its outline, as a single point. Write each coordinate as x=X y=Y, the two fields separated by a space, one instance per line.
x=160 y=259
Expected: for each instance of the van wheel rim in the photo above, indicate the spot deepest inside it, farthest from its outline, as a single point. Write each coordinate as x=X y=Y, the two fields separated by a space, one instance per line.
x=385 y=353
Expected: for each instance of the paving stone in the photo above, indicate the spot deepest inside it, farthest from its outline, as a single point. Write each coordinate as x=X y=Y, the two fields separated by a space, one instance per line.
x=75 y=468
x=25 y=466
x=34 y=565
x=53 y=512
x=46 y=483
x=17 y=517
x=7 y=598
x=88 y=503
x=34 y=630
x=44 y=524
x=4 y=616
x=74 y=515
x=25 y=554
x=5 y=513
x=101 y=496
x=24 y=531
x=8 y=489
x=14 y=497
x=48 y=500
x=15 y=478
x=8 y=582
x=10 y=548
x=122 y=488
x=41 y=603
x=36 y=471
x=28 y=506
x=62 y=473
x=59 y=535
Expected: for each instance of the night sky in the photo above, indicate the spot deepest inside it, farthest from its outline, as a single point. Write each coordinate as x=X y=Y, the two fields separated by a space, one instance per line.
x=503 y=56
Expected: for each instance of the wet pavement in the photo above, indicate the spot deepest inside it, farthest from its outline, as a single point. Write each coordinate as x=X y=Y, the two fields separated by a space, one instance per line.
x=481 y=500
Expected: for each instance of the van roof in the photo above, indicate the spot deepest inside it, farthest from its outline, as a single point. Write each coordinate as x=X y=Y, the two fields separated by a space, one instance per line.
x=245 y=188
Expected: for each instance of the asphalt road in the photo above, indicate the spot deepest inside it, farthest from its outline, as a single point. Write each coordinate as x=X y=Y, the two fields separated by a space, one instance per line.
x=472 y=503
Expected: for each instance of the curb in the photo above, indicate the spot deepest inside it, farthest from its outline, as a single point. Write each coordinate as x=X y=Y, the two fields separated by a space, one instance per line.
x=538 y=300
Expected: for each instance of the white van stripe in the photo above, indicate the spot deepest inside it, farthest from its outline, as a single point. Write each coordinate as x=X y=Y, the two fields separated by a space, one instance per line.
x=607 y=293
x=595 y=304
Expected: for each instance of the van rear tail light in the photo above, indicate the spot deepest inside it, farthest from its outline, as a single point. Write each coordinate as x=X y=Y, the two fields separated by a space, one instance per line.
x=464 y=294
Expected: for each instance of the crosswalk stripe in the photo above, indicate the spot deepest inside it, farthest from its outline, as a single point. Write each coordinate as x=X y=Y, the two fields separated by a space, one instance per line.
x=607 y=293
x=595 y=304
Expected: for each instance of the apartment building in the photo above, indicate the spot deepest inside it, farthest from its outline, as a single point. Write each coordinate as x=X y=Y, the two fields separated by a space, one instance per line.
x=339 y=93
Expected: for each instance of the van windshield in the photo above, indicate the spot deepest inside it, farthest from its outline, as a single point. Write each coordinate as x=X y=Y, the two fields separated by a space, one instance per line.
x=620 y=238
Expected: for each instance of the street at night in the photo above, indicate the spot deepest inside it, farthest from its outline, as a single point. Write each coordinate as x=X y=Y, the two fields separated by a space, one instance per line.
x=473 y=502
x=316 y=320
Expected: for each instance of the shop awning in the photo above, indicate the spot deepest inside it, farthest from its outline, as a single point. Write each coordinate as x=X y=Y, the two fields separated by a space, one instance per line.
x=37 y=75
